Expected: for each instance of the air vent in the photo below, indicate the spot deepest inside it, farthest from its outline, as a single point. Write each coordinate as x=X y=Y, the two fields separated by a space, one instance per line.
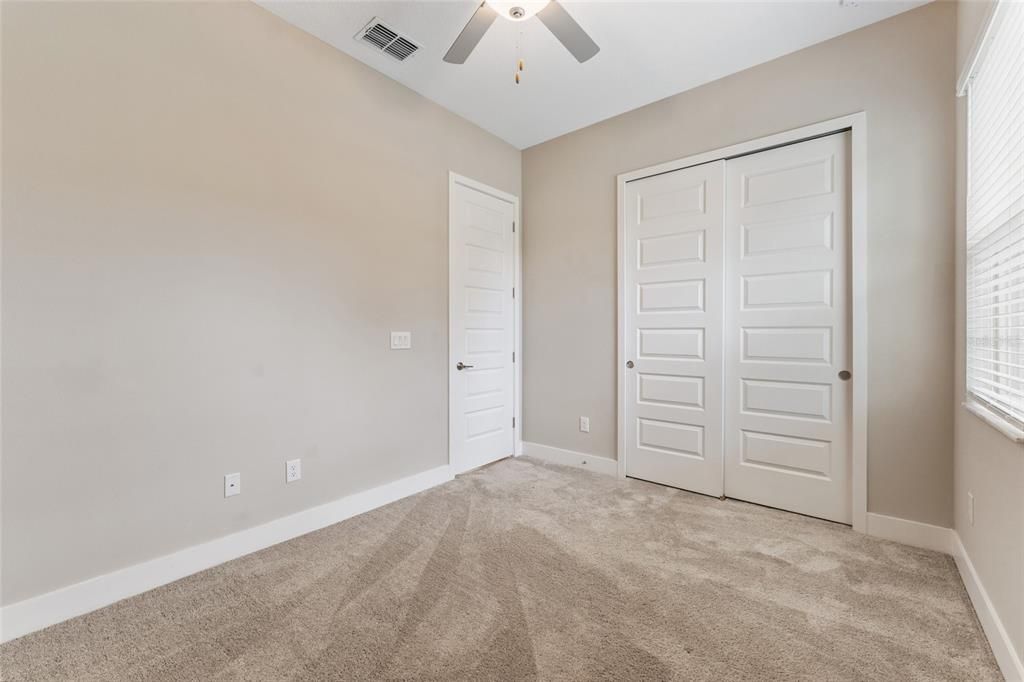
x=386 y=39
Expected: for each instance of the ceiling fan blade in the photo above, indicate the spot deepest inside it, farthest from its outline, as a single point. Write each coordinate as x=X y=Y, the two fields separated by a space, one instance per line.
x=471 y=34
x=568 y=32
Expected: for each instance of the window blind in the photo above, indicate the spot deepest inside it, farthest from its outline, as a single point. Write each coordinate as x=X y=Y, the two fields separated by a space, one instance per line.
x=995 y=219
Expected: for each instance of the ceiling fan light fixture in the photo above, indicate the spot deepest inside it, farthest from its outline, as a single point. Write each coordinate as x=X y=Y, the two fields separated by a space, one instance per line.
x=517 y=10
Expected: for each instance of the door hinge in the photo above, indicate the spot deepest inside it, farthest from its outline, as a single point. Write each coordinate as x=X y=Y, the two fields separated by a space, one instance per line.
x=513 y=422
x=513 y=292
x=513 y=356
x=513 y=226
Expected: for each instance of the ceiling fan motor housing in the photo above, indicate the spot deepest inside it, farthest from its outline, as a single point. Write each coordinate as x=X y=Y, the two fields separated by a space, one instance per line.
x=517 y=10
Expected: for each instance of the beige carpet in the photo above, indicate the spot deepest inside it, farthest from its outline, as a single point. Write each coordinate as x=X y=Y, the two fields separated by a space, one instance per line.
x=523 y=570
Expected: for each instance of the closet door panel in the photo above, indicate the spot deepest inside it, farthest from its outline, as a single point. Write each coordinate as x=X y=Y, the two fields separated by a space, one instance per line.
x=673 y=328
x=787 y=407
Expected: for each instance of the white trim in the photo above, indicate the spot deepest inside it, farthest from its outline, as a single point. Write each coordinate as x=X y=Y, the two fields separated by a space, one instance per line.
x=857 y=125
x=1002 y=646
x=48 y=609
x=750 y=146
x=571 y=458
x=455 y=178
x=620 y=327
x=517 y=314
x=859 y=316
x=913 y=533
x=517 y=432
x=994 y=420
x=980 y=40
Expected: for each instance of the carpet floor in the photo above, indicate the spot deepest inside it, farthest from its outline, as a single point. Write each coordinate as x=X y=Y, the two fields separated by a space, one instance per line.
x=524 y=570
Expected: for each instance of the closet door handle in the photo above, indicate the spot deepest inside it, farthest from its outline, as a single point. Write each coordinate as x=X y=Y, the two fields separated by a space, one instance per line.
x=461 y=366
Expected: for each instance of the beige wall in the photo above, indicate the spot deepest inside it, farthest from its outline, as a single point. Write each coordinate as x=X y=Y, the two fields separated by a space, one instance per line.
x=901 y=72
x=210 y=222
x=986 y=463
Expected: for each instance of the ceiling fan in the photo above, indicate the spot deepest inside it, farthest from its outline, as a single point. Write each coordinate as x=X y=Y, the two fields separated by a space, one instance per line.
x=550 y=12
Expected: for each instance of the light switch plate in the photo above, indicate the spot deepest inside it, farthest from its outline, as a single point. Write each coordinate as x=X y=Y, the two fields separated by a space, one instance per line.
x=401 y=340
x=232 y=484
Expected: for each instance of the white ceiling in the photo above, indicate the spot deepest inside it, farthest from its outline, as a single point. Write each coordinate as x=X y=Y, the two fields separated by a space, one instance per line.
x=649 y=50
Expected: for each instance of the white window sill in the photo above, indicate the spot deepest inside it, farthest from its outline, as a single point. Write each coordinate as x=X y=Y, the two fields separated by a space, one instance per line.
x=995 y=421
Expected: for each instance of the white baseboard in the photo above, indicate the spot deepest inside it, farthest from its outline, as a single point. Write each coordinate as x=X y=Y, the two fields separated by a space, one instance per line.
x=48 y=609
x=947 y=540
x=580 y=460
x=913 y=533
x=1002 y=646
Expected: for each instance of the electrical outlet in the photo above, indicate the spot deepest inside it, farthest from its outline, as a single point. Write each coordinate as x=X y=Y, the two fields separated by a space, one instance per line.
x=401 y=340
x=970 y=507
x=232 y=484
x=585 y=424
x=292 y=470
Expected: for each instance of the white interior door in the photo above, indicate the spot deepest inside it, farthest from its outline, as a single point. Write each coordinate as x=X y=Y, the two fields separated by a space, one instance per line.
x=787 y=326
x=481 y=327
x=673 y=328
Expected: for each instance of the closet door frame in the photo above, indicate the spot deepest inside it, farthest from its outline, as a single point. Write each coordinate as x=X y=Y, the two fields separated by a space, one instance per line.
x=856 y=124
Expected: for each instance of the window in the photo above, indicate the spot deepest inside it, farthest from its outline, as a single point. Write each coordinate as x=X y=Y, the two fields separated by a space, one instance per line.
x=995 y=218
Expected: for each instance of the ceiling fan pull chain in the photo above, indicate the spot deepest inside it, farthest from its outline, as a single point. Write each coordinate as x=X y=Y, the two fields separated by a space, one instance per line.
x=520 y=64
x=519 y=56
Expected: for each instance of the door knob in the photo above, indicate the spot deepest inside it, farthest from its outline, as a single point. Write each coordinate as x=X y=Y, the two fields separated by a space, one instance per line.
x=844 y=375
x=461 y=366
x=629 y=364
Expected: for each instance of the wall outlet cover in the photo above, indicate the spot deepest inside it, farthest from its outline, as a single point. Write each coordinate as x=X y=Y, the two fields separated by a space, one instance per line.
x=585 y=424
x=232 y=484
x=292 y=470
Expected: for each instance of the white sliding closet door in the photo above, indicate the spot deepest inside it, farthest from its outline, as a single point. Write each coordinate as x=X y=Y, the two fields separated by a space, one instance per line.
x=673 y=328
x=787 y=317
x=737 y=328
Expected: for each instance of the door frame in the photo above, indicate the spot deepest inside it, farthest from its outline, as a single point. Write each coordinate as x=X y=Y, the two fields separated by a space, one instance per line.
x=856 y=124
x=454 y=179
